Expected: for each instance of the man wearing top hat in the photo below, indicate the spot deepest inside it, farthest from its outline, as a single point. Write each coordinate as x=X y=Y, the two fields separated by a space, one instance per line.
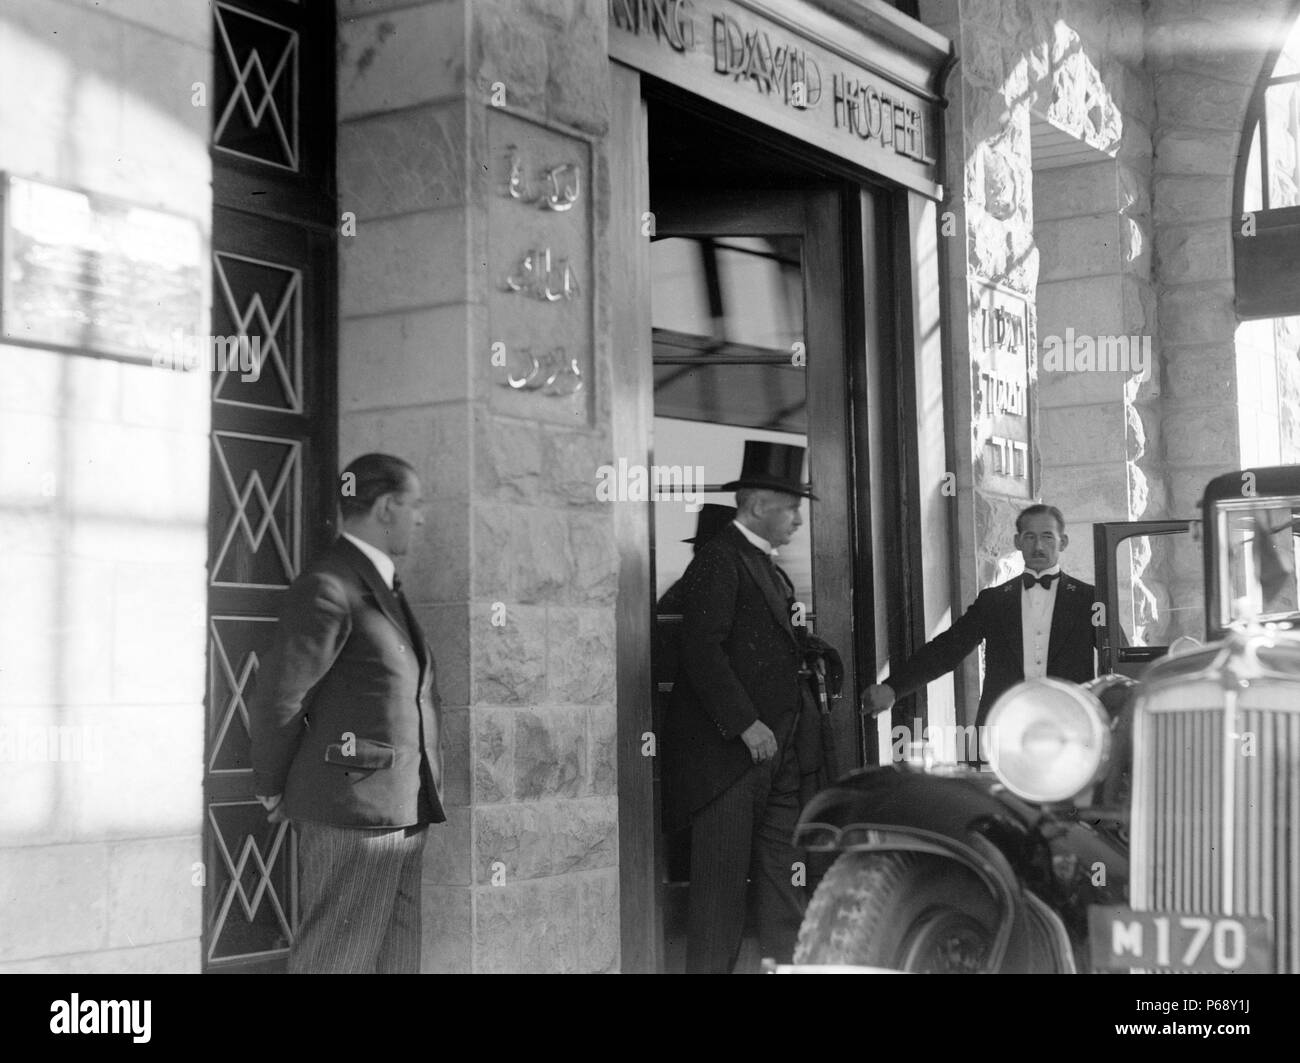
x=729 y=745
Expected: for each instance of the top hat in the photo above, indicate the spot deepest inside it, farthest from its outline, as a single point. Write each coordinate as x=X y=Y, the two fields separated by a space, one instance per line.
x=772 y=467
x=712 y=519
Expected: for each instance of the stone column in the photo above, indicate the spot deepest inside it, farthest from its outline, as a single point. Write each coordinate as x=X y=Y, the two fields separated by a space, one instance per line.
x=1205 y=57
x=439 y=103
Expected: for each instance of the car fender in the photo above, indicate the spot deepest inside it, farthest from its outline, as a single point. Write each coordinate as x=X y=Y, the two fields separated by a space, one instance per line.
x=964 y=816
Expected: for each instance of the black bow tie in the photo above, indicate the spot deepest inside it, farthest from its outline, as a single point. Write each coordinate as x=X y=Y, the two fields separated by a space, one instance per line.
x=1028 y=579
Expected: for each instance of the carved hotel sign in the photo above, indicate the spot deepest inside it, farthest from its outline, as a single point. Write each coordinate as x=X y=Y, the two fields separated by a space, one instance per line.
x=743 y=55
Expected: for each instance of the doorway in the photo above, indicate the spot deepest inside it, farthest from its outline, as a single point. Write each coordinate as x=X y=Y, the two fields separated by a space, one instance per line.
x=748 y=276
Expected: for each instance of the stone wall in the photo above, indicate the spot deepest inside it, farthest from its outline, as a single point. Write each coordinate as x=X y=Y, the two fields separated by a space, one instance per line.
x=103 y=525
x=1205 y=57
x=1049 y=115
x=1090 y=150
x=516 y=579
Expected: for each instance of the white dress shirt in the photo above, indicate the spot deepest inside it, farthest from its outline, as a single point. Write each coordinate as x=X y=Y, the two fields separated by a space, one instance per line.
x=378 y=558
x=757 y=540
x=1036 y=605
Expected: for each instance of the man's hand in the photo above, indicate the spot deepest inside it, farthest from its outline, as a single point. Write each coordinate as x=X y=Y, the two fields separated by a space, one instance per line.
x=760 y=740
x=877 y=698
x=274 y=808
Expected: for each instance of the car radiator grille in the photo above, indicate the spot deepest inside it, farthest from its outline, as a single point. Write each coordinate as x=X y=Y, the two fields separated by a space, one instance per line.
x=1216 y=815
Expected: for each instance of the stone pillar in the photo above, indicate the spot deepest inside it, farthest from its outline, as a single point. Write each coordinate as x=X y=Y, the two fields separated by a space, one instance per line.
x=515 y=580
x=103 y=524
x=1205 y=57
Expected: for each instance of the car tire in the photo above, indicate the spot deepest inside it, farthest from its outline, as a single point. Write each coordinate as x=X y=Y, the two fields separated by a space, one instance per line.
x=905 y=911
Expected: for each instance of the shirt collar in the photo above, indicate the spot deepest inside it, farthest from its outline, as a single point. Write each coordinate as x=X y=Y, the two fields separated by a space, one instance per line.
x=1055 y=570
x=382 y=562
x=757 y=540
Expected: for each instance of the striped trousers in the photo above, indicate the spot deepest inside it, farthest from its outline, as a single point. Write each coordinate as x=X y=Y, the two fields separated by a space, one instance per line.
x=358 y=900
x=746 y=833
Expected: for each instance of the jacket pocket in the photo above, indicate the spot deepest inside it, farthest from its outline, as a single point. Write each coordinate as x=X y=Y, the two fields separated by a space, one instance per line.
x=364 y=753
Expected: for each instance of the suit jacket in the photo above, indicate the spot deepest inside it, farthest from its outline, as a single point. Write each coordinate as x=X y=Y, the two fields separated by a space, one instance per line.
x=739 y=659
x=994 y=618
x=346 y=715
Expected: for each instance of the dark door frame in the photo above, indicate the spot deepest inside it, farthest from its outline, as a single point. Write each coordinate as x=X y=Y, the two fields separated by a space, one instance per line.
x=873 y=246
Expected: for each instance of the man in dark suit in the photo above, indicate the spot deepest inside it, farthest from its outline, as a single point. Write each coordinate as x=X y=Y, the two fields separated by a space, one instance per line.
x=1036 y=624
x=346 y=740
x=730 y=768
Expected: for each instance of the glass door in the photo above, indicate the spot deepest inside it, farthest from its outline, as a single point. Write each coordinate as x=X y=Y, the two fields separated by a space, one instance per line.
x=749 y=344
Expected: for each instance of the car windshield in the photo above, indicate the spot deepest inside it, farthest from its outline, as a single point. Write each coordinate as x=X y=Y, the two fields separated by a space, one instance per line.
x=1259 y=550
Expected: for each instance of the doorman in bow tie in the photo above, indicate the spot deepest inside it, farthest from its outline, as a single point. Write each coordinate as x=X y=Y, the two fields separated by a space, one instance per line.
x=1037 y=624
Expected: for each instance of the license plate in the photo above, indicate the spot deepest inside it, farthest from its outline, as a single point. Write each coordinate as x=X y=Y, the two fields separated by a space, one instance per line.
x=1121 y=939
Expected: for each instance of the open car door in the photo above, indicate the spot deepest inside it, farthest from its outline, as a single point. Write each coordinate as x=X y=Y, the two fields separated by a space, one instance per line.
x=1134 y=562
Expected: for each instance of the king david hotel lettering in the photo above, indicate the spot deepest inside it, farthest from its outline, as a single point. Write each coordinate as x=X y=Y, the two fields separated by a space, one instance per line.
x=750 y=50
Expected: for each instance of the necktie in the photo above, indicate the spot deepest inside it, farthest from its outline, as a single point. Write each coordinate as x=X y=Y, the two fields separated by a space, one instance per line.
x=1028 y=579
x=397 y=584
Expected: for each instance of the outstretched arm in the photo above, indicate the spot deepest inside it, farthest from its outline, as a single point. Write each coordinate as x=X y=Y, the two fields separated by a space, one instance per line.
x=942 y=653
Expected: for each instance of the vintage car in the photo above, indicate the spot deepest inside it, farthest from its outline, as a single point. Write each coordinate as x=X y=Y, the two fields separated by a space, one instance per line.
x=1129 y=824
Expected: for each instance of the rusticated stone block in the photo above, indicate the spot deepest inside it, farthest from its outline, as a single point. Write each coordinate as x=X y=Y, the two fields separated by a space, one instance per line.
x=1079 y=247
x=446 y=925
x=598 y=945
x=407 y=161
x=1086 y=493
x=521 y=554
x=1203 y=434
x=1200 y=102
x=572 y=462
x=508 y=456
x=393 y=267
x=1196 y=252
x=435 y=440
x=1180 y=198
x=581 y=658
x=1200 y=313
x=55 y=901
x=1091 y=304
x=603 y=731
x=541 y=838
x=1083 y=435
x=527 y=928
x=494 y=736
x=447 y=851
x=513 y=842
x=509 y=660
x=1195 y=152
x=395 y=59
x=456 y=756
x=1074 y=190
x=175 y=957
x=152 y=897
x=408 y=358
x=578 y=73
x=982 y=58
x=585 y=834
x=508 y=50
x=595 y=569
x=550 y=747
x=447 y=629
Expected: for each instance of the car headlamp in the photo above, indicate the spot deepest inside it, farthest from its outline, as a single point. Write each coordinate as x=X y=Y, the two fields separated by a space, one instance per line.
x=1047 y=740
